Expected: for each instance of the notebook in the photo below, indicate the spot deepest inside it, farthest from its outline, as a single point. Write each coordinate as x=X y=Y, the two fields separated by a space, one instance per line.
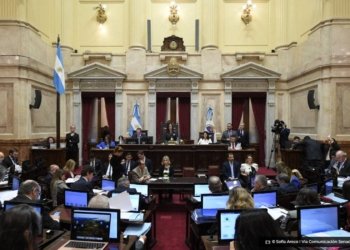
x=75 y=198
x=317 y=219
x=328 y=186
x=15 y=183
x=231 y=184
x=266 y=199
x=108 y=185
x=226 y=225
x=135 y=200
x=114 y=231
x=212 y=202
x=140 y=188
x=38 y=208
x=89 y=230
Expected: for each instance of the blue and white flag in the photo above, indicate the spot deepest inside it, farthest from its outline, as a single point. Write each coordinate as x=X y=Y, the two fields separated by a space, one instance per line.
x=135 y=120
x=58 y=74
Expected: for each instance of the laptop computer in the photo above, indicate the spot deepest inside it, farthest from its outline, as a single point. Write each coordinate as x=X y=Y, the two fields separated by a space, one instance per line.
x=226 y=225
x=15 y=183
x=199 y=189
x=141 y=188
x=38 y=208
x=212 y=202
x=316 y=219
x=75 y=198
x=265 y=199
x=328 y=186
x=114 y=231
x=108 y=185
x=89 y=230
x=135 y=200
x=231 y=184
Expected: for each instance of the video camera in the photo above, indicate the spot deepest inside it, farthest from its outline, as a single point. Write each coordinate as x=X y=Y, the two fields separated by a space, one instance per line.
x=277 y=126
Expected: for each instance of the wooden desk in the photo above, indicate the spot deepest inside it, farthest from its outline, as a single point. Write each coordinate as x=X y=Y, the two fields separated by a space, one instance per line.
x=197 y=156
x=292 y=158
x=213 y=244
x=111 y=246
x=51 y=156
x=176 y=183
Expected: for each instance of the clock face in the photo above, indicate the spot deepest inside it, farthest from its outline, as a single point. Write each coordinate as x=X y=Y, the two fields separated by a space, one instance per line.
x=173 y=45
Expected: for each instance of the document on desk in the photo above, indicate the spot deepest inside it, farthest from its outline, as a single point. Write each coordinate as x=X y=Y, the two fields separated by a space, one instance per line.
x=138 y=230
x=99 y=191
x=335 y=198
x=7 y=195
x=121 y=201
x=131 y=216
x=3 y=183
x=277 y=212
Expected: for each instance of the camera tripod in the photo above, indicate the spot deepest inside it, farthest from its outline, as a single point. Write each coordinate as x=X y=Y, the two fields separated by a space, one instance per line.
x=275 y=147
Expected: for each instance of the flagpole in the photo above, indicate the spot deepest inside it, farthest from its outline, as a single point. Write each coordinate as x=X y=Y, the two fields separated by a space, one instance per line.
x=58 y=112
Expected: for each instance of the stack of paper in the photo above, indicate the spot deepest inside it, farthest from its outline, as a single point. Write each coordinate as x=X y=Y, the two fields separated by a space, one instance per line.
x=138 y=230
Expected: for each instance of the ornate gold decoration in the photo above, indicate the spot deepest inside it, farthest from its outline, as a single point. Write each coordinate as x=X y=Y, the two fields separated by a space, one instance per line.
x=247 y=12
x=173 y=17
x=101 y=16
x=173 y=67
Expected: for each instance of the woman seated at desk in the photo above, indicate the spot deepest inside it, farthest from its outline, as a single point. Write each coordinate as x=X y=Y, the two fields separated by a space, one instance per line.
x=248 y=172
x=166 y=170
x=57 y=187
x=205 y=140
x=69 y=169
x=170 y=133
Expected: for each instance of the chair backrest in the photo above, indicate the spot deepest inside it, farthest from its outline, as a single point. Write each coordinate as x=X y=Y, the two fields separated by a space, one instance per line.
x=188 y=171
x=213 y=170
x=285 y=200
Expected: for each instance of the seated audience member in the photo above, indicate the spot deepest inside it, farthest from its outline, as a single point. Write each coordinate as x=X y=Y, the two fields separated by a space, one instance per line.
x=29 y=192
x=129 y=164
x=166 y=170
x=340 y=166
x=330 y=147
x=234 y=144
x=57 y=187
x=284 y=184
x=295 y=178
x=249 y=236
x=69 y=168
x=141 y=156
x=11 y=161
x=84 y=183
x=243 y=136
x=139 y=137
x=247 y=172
x=121 y=140
x=107 y=169
x=101 y=201
x=123 y=185
x=50 y=140
x=19 y=228
x=226 y=135
x=52 y=169
x=205 y=140
x=231 y=168
x=260 y=184
x=170 y=133
x=140 y=174
x=295 y=143
x=215 y=185
x=96 y=164
x=240 y=199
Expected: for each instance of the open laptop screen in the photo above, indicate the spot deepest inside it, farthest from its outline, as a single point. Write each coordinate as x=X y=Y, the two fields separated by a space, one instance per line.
x=265 y=199
x=90 y=226
x=38 y=208
x=108 y=185
x=226 y=225
x=15 y=183
x=135 y=202
x=114 y=231
x=140 y=188
x=75 y=198
x=212 y=202
x=200 y=189
x=328 y=186
x=316 y=219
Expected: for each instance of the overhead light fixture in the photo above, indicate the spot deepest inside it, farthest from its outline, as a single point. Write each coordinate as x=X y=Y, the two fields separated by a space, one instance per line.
x=247 y=12
x=173 y=17
x=101 y=16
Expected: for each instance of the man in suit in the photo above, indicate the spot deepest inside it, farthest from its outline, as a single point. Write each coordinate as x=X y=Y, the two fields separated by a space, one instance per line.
x=285 y=186
x=234 y=144
x=260 y=184
x=231 y=168
x=284 y=135
x=29 y=192
x=11 y=161
x=243 y=136
x=123 y=185
x=225 y=138
x=51 y=172
x=117 y=162
x=215 y=184
x=148 y=163
x=340 y=166
x=72 y=149
x=129 y=164
x=97 y=165
x=139 y=137
x=313 y=154
x=84 y=183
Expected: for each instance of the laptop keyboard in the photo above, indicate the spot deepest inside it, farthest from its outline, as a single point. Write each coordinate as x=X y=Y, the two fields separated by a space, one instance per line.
x=86 y=245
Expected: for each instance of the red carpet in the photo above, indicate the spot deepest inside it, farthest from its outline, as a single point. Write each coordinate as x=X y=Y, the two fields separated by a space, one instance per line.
x=270 y=173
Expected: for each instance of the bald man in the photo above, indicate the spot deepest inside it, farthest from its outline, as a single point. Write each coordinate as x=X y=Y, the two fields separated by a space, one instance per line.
x=215 y=185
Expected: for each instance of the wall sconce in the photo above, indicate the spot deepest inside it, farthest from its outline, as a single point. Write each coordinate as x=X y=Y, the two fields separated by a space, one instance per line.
x=173 y=17
x=101 y=16
x=247 y=12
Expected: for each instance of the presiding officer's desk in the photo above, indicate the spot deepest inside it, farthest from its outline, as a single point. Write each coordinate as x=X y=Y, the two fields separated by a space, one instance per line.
x=182 y=155
x=112 y=246
x=175 y=183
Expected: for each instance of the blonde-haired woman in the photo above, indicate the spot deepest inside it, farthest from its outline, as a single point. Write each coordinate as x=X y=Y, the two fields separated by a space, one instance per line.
x=240 y=199
x=69 y=169
x=166 y=170
x=248 y=172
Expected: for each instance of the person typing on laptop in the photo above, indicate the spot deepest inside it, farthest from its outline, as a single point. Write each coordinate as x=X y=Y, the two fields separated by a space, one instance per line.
x=84 y=183
x=29 y=192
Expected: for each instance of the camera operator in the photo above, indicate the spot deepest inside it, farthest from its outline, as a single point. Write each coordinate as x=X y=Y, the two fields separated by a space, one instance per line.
x=280 y=128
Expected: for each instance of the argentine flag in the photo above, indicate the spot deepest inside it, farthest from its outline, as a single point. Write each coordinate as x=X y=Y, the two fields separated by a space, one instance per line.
x=135 y=120
x=58 y=74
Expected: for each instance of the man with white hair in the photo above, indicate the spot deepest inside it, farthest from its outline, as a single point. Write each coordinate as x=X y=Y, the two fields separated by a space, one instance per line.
x=340 y=164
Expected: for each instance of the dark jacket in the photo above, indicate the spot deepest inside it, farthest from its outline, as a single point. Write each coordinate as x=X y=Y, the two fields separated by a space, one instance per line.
x=133 y=165
x=171 y=171
x=83 y=185
x=48 y=222
x=72 y=142
x=287 y=188
x=226 y=170
x=118 y=169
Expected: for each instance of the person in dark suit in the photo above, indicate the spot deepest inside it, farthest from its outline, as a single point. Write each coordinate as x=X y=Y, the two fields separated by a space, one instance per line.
x=11 y=161
x=29 y=192
x=166 y=170
x=123 y=185
x=243 y=136
x=72 y=149
x=117 y=162
x=330 y=147
x=139 y=137
x=231 y=168
x=340 y=166
x=129 y=164
x=148 y=163
x=215 y=185
x=285 y=186
x=313 y=153
x=170 y=134
x=107 y=168
x=84 y=183
x=225 y=137
x=97 y=165
x=284 y=135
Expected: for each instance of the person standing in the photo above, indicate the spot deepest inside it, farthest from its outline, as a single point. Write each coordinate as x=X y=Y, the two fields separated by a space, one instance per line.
x=243 y=136
x=72 y=149
x=117 y=162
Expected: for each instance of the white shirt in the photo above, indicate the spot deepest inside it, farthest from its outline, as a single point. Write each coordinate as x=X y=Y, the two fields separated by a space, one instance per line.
x=235 y=146
x=109 y=171
x=203 y=141
x=246 y=168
